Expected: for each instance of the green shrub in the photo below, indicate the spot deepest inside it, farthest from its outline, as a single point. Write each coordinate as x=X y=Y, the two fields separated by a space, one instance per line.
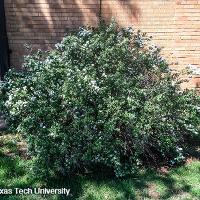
x=103 y=97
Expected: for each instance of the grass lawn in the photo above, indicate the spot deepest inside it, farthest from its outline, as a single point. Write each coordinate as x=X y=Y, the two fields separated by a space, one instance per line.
x=178 y=183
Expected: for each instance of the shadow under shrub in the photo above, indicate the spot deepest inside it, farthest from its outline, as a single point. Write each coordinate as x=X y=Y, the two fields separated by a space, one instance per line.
x=102 y=97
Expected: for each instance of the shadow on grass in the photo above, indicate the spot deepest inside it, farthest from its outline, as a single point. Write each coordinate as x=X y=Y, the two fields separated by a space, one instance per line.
x=14 y=174
x=137 y=187
x=147 y=184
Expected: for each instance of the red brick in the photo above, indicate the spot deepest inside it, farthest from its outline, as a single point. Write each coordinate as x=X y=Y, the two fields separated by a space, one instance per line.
x=174 y=24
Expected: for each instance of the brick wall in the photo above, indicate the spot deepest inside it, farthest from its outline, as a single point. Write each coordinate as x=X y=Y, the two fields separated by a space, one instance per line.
x=174 y=24
x=43 y=23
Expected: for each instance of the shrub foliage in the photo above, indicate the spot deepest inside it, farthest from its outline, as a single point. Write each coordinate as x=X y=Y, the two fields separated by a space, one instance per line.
x=103 y=97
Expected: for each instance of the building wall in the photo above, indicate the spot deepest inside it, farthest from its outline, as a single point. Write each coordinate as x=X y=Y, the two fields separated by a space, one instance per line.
x=174 y=24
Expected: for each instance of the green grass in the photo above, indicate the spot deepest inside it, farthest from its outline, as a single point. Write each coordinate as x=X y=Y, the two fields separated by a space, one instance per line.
x=178 y=183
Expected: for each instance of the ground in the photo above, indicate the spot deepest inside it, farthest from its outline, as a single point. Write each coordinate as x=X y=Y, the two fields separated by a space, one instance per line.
x=179 y=183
